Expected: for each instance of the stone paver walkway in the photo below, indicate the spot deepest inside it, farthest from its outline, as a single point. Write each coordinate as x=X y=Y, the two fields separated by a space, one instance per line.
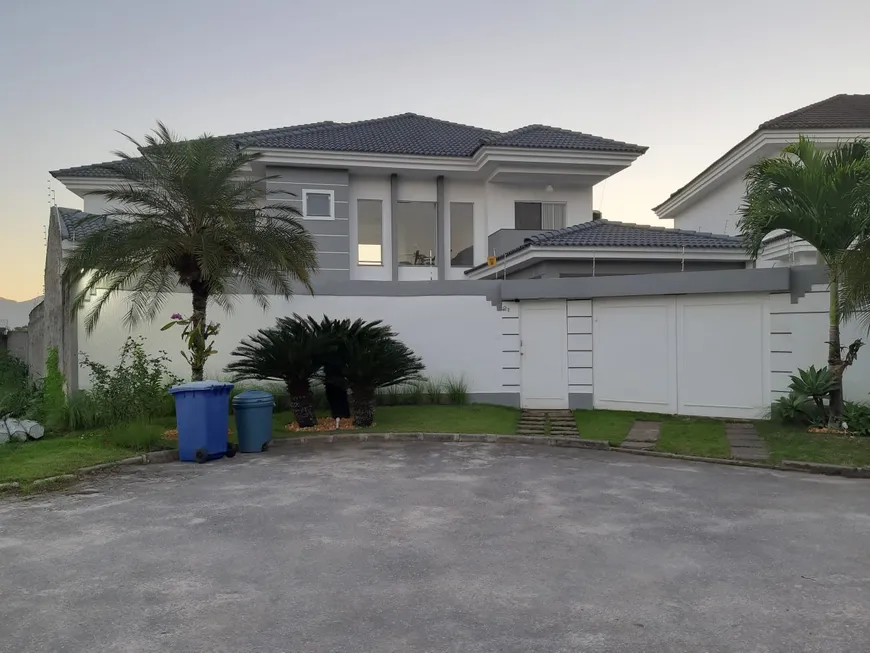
x=744 y=441
x=643 y=436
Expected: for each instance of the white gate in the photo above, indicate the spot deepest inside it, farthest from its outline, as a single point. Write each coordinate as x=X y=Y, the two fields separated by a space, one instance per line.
x=693 y=355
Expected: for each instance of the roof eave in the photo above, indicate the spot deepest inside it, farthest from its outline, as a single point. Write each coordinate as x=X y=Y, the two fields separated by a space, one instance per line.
x=707 y=179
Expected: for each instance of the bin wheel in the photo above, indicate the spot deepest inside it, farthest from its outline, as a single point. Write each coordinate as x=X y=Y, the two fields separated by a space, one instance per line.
x=265 y=447
x=232 y=448
x=201 y=455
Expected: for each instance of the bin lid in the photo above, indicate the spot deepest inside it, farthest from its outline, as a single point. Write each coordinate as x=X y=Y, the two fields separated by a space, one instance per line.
x=254 y=398
x=201 y=386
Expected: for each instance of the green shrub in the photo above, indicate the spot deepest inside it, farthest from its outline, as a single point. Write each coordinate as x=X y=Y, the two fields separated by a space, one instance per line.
x=82 y=411
x=18 y=395
x=412 y=393
x=791 y=409
x=456 y=388
x=856 y=415
x=137 y=388
x=814 y=384
x=434 y=390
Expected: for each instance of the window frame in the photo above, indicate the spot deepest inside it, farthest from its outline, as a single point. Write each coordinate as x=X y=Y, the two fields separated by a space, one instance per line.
x=541 y=204
x=450 y=243
x=359 y=261
x=316 y=191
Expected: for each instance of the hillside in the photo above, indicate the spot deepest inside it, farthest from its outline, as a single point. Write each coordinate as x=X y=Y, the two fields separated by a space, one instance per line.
x=15 y=313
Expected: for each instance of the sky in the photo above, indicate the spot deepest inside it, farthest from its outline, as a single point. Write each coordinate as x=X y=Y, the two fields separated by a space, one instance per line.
x=689 y=79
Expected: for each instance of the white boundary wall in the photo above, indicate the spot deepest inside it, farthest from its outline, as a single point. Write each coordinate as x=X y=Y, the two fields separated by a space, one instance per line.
x=458 y=335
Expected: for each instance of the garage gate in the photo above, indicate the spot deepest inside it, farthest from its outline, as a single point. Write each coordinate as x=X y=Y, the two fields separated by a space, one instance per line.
x=704 y=355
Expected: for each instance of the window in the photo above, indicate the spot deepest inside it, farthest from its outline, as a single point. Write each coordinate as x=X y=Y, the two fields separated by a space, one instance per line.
x=370 y=235
x=461 y=234
x=539 y=215
x=415 y=228
x=318 y=204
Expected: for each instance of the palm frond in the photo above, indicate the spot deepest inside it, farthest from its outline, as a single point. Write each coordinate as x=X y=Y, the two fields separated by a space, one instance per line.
x=189 y=213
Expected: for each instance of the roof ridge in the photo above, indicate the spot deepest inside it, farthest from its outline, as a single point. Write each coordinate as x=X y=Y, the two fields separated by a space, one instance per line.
x=672 y=230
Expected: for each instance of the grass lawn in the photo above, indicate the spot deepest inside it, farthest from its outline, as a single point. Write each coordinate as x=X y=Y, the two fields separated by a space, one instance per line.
x=28 y=461
x=684 y=435
x=791 y=443
x=473 y=418
x=694 y=437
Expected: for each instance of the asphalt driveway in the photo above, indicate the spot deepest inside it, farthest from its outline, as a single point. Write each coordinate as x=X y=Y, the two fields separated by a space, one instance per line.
x=439 y=547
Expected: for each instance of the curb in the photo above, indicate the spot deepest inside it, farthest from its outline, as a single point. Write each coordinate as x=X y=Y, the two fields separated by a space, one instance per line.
x=577 y=443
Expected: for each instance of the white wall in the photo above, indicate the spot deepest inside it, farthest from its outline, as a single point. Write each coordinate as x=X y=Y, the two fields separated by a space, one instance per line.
x=716 y=213
x=500 y=199
x=96 y=204
x=454 y=334
x=799 y=334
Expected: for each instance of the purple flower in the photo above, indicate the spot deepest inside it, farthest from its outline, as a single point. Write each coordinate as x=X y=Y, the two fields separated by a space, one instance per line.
x=176 y=316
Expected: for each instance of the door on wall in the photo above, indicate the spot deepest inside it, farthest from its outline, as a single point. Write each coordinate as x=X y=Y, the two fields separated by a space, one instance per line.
x=544 y=354
x=705 y=355
x=634 y=354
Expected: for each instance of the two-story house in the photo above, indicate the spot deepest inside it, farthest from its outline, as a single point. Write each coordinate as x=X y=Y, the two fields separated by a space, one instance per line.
x=482 y=249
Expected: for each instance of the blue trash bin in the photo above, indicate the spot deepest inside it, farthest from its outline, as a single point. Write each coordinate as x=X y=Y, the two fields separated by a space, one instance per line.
x=253 y=410
x=202 y=411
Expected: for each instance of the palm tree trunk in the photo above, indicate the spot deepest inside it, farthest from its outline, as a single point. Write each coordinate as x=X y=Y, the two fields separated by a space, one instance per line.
x=197 y=322
x=363 y=407
x=835 y=360
x=302 y=404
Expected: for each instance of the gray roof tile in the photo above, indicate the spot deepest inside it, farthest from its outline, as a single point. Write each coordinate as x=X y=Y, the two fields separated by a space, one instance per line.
x=838 y=112
x=604 y=233
x=545 y=137
x=101 y=169
x=407 y=133
x=78 y=224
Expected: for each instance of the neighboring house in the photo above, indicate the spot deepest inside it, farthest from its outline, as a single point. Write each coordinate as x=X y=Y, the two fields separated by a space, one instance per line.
x=712 y=199
x=570 y=310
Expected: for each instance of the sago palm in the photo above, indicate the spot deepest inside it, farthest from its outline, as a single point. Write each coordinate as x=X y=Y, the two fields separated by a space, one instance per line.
x=291 y=351
x=190 y=214
x=818 y=196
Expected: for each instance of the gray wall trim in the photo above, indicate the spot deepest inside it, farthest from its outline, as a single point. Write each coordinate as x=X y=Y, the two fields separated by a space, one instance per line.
x=440 y=229
x=511 y=399
x=338 y=243
x=580 y=401
x=394 y=226
x=679 y=283
x=804 y=277
x=404 y=288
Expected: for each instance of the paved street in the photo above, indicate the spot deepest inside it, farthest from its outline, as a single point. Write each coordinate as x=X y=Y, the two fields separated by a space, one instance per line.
x=439 y=547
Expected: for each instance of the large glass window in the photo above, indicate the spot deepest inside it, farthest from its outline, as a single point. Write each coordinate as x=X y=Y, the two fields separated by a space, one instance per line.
x=461 y=234
x=370 y=232
x=416 y=231
x=539 y=215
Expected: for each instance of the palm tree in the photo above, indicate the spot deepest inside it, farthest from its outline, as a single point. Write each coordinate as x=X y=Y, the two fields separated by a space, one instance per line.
x=821 y=197
x=371 y=357
x=291 y=351
x=188 y=213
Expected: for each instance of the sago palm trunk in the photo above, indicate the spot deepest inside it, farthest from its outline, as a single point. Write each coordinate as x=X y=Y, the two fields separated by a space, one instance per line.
x=302 y=404
x=197 y=319
x=363 y=407
x=835 y=360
